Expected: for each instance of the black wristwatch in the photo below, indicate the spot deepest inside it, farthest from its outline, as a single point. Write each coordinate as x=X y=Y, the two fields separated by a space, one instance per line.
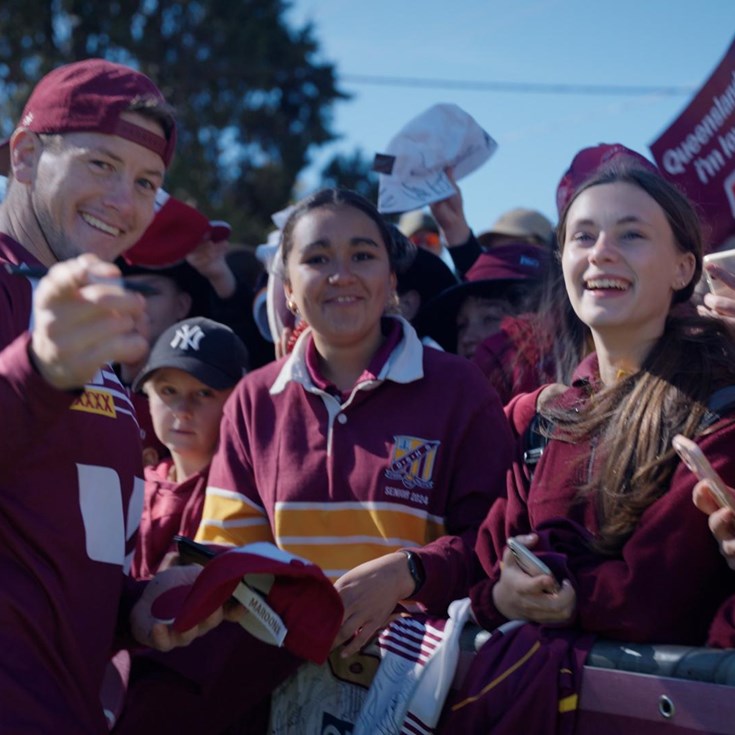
x=415 y=569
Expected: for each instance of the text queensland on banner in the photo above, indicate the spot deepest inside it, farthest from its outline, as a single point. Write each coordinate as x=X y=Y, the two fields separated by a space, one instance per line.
x=697 y=151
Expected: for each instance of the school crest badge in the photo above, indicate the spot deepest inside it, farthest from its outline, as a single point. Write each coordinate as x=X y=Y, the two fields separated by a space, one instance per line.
x=412 y=461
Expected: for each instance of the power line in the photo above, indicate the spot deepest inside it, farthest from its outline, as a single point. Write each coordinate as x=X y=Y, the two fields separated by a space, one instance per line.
x=518 y=87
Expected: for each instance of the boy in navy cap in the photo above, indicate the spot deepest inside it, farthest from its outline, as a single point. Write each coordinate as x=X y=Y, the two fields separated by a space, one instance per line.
x=190 y=373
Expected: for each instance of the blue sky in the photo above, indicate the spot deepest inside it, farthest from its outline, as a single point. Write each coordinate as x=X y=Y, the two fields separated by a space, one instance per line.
x=642 y=43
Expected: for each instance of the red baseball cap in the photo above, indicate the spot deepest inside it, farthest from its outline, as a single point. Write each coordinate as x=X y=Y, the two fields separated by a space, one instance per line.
x=290 y=601
x=176 y=229
x=90 y=96
x=589 y=160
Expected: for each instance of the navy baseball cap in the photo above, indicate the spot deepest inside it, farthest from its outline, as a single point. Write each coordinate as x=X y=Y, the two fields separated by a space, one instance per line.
x=206 y=349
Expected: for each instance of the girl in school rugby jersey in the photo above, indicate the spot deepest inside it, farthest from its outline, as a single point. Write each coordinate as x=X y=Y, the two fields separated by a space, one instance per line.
x=363 y=451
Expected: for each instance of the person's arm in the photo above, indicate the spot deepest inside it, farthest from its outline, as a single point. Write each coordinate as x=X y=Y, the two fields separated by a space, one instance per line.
x=449 y=215
x=150 y=631
x=210 y=260
x=721 y=520
x=481 y=449
x=722 y=307
x=509 y=516
x=670 y=565
x=485 y=450
x=78 y=326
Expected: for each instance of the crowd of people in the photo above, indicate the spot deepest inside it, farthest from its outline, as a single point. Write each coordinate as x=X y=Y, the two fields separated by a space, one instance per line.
x=434 y=394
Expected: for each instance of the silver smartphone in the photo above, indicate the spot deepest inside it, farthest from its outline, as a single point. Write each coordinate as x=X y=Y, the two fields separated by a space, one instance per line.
x=693 y=457
x=726 y=260
x=527 y=560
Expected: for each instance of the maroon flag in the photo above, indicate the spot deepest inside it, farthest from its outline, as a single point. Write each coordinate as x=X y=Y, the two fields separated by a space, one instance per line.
x=697 y=151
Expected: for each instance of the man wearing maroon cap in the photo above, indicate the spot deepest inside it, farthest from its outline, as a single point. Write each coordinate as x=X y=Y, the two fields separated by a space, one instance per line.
x=84 y=165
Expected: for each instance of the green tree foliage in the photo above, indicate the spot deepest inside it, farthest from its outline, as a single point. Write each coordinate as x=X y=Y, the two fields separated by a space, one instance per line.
x=251 y=97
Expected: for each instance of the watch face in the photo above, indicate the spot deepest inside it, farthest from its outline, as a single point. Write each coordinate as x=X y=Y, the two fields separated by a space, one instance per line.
x=415 y=569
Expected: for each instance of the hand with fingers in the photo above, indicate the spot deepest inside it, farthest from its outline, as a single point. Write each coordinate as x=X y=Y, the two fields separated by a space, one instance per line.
x=209 y=258
x=80 y=324
x=721 y=520
x=539 y=599
x=150 y=630
x=449 y=215
x=370 y=593
x=722 y=304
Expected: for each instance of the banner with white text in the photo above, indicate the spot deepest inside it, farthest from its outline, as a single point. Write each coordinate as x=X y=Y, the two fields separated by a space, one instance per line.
x=697 y=151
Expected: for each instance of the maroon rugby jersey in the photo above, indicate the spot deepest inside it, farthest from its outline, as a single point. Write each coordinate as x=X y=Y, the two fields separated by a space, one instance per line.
x=71 y=493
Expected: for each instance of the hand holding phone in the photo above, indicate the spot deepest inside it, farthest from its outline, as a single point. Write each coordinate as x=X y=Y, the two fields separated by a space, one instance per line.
x=724 y=259
x=528 y=561
x=694 y=459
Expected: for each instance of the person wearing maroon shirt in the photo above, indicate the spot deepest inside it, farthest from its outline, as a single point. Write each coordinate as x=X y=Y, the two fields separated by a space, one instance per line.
x=84 y=165
x=190 y=373
x=608 y=507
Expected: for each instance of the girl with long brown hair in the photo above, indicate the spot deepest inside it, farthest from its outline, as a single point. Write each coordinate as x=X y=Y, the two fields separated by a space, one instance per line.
x=608 y=507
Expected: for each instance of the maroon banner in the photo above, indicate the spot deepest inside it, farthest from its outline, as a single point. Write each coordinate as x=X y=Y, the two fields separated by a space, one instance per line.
x=697 y=151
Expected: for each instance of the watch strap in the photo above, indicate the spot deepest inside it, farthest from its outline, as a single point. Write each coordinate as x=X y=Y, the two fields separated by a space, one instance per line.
x=415 y=569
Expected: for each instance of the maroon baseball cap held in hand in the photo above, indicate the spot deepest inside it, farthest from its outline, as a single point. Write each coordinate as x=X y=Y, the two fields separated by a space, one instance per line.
x=289 y=601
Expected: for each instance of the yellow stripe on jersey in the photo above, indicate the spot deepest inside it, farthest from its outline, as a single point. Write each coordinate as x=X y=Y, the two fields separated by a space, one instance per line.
x=384 y=520
x=335 y=560
x=339 y=536
x=232 y=519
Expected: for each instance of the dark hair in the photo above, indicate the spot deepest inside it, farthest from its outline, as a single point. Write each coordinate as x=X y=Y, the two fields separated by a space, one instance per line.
x=398 y=249
x=158 y=111
x=693 y=357
x=680 y=212
x=557 y=328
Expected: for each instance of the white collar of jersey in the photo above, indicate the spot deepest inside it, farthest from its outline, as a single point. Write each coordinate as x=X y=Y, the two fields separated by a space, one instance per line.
x=404 y=365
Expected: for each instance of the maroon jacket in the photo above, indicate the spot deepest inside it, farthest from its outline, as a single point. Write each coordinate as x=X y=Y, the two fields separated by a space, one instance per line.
x=668 y=580
x=523 y=680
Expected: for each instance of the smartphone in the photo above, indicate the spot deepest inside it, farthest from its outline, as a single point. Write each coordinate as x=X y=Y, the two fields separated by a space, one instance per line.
x=192 y=552
x=527 y=560
x=724 y=259
x=694 y=459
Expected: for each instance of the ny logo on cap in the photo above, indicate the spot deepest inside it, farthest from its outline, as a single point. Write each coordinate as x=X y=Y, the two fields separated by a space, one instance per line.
x=188 y=337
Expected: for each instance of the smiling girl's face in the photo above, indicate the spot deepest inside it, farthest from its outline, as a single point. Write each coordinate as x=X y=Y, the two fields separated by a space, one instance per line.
x=621 y=262
x=339 y=275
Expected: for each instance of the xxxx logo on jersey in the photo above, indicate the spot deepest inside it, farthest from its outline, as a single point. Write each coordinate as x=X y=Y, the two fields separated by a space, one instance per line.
x=96 y=400
x=412 y=461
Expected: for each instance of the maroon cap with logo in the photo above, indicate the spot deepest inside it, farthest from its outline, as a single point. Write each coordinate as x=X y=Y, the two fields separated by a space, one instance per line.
x=90 y=96
x=587 y=162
